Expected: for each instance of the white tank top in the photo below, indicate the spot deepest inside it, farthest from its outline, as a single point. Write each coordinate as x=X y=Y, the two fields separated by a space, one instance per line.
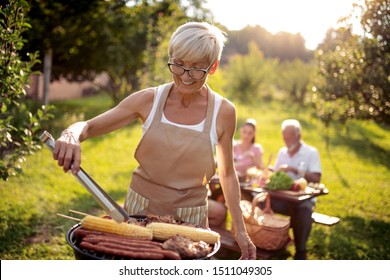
x=196 y=127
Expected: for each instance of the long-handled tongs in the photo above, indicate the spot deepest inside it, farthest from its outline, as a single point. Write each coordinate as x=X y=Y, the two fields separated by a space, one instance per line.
x=116 y=212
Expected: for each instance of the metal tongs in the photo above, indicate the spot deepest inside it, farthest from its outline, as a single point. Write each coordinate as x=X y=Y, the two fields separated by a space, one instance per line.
x=116 y=212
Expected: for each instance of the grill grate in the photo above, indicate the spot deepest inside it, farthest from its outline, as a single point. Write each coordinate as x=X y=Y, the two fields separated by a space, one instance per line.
x=83 y=254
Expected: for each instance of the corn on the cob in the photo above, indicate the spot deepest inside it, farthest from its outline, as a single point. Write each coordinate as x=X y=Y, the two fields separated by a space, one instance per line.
x=110 y=226
x=164 y=231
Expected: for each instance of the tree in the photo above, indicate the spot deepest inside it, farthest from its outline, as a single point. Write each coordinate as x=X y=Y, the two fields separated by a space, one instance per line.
x=353 y=80
x=19 y=118
x=116 y=37
x=56 y=29
x=283 y=45
x=294 y=77
x=375 y=21
x=77 y=32
x=248 y=74
x=288 y=47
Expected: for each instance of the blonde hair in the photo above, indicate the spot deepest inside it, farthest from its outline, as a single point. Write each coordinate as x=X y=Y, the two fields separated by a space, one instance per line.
x=194 y=41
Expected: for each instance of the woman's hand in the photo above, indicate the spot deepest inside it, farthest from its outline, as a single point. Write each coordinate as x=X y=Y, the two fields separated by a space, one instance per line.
x=67 y=151
x=248 y=249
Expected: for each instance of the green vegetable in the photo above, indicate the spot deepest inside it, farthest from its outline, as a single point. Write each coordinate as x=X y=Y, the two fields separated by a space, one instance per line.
x=279 y=181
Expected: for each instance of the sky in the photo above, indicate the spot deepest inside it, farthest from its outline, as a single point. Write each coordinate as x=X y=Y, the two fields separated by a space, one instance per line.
x=311 y=18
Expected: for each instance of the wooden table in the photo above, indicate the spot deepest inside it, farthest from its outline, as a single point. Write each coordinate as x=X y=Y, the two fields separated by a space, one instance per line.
x=250 y=189
x=286 y=195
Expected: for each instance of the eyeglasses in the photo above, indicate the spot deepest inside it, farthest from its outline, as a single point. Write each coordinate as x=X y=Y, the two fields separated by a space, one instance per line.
x=194 y=73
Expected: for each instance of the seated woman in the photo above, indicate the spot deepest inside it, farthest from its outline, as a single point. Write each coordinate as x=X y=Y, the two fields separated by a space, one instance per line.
x=247 y=154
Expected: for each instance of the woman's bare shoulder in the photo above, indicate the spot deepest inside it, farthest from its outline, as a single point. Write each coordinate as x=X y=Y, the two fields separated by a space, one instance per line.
x=145 y=95
x=139 y=99
x=139 y=103
x=226 y=120
x=227 y=108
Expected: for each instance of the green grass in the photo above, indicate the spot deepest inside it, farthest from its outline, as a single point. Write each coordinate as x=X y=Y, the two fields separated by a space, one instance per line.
x=356 y=163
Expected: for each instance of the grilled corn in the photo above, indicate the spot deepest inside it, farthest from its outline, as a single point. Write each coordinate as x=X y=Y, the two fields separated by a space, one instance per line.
x=110 y=226
x=164 y=231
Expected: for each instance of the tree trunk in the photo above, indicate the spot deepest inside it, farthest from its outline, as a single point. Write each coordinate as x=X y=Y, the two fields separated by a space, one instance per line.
x=34 y=87
x=47 y=62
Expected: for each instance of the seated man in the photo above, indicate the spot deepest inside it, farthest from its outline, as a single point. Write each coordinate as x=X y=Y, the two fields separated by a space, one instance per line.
x=297 y=159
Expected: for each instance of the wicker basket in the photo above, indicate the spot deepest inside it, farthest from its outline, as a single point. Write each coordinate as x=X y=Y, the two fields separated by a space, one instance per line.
x=267 y=230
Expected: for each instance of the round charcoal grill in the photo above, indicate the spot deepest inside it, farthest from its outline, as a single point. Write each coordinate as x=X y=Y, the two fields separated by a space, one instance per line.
x=83 y=254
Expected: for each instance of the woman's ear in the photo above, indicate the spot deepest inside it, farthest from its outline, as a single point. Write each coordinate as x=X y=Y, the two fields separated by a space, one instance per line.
x=214 y=67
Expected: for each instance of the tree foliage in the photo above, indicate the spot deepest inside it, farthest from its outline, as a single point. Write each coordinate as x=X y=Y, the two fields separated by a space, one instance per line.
x=283 y=45
x=117 y=37
x=248 y=75
x=354 y=71
x=294 y=77
x=20 y=119
x=74 y=29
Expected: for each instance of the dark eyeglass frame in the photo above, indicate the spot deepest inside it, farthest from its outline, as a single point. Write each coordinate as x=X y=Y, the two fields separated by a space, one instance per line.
x=205 y=71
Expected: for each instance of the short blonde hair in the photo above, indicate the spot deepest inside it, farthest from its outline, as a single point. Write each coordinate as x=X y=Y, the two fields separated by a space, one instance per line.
x=195 y=41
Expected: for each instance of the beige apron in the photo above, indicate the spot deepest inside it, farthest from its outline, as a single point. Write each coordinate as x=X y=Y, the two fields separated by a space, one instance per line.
x=175 y=165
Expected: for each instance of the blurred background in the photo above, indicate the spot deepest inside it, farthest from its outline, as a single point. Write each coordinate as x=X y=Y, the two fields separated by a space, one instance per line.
x=325 y=63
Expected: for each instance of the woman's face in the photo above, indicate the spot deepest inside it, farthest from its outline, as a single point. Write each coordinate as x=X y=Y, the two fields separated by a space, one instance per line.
x=185 y=83
x=247 y=133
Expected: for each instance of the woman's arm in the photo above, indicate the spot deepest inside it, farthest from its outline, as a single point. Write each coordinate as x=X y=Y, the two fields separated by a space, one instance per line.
x=135 y=106
x=258 y=157
x=67 y=149
x=226 y=125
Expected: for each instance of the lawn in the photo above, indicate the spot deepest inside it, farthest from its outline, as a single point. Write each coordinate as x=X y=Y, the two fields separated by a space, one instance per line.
x=356 y=170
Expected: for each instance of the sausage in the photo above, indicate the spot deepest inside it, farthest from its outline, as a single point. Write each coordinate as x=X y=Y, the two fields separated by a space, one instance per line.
x=134 y=243
x=122 y=253
x=80 y=232
x=167 y=254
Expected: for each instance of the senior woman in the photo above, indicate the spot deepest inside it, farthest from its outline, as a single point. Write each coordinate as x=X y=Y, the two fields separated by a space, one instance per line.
x=183 y=122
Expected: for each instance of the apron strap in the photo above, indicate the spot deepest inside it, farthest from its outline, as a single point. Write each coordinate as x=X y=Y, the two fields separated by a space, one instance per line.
x=210 y=110
x=160 y=107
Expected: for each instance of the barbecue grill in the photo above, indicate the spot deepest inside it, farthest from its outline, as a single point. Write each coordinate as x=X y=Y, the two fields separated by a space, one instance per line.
x=112 y=209
x=83 y=254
